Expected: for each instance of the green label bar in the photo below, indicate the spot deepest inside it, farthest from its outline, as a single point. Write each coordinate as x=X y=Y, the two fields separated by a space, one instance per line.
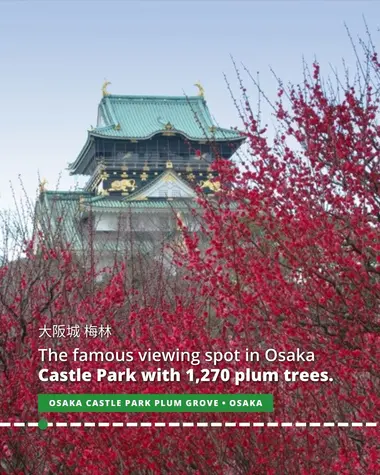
x=155 y=403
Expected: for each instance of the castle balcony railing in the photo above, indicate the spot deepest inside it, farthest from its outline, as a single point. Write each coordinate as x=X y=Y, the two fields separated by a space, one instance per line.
x=155 y=161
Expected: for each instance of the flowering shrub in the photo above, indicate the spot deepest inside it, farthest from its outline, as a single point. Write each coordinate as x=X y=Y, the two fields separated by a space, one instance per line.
x=289 y=259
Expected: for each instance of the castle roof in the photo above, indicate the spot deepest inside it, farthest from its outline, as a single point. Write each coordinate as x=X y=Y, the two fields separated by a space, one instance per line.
x=139 y=118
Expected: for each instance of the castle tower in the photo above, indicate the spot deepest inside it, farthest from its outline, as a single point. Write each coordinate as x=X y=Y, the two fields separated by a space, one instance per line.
x=143 y=160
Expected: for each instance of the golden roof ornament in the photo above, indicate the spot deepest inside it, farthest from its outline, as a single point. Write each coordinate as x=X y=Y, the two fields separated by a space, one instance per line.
x=42 y=185
x=168 y=130
x=201 y=91
x=104 y=88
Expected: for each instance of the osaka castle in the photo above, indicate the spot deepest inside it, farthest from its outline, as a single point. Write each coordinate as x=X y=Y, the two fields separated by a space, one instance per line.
x=143 y=160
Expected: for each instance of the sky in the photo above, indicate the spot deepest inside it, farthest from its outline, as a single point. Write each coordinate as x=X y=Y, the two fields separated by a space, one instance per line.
x=55 y=55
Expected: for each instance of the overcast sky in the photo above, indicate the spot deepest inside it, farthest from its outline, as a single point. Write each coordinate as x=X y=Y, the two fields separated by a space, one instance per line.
x=54 y=56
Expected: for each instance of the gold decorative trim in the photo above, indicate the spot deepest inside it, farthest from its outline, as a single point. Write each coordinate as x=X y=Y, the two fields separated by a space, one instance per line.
x=213 y=186
x=123 y=185
x=144 y=176
x=168 y=179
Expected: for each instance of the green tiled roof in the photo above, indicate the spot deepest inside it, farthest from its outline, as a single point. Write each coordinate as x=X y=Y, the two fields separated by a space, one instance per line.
x=141 y=117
